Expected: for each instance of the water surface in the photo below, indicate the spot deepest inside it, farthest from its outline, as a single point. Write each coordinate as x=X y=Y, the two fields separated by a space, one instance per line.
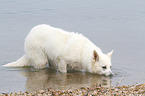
x=113 y=24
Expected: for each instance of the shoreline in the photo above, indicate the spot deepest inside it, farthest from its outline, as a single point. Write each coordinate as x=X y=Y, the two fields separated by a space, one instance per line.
x=138 y=89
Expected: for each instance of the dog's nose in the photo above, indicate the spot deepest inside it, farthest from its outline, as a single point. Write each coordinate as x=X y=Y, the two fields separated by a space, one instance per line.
x=111 y=73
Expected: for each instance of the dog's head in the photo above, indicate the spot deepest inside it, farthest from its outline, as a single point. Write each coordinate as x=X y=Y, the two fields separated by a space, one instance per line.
x=101 y=63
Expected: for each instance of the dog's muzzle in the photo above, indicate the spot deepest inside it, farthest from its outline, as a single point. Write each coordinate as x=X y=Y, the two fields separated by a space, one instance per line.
x=109 y=74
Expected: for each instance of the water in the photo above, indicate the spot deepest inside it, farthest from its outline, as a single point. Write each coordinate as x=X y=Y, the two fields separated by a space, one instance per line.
x=113 y=24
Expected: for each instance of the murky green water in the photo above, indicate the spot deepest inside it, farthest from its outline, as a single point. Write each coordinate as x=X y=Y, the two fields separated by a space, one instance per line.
x=113 y=24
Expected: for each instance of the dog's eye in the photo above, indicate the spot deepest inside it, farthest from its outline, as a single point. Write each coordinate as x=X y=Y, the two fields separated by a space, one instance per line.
x=104 y=67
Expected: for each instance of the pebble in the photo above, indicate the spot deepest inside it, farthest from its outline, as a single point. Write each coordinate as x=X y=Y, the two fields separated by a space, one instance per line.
x=138 y=89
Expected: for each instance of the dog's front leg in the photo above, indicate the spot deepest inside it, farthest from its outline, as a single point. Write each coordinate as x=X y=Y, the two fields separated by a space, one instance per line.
x=62 y=66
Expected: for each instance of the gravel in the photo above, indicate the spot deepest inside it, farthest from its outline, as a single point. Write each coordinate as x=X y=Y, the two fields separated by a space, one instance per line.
x=138 y=89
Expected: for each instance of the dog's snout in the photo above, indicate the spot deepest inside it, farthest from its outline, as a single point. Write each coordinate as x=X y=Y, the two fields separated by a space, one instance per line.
x=111 y=73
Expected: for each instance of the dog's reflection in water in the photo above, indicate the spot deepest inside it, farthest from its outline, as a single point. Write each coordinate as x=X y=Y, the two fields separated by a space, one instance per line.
x=44 y=79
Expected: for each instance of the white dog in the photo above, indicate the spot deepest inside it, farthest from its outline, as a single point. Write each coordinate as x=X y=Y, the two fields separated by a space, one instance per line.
x=65 y=50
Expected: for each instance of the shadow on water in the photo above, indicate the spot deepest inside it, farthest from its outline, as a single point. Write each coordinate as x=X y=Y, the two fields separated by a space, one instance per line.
x=50 y=78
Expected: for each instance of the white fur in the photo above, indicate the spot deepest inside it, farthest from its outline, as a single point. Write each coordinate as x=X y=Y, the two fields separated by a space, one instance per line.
x=65 y=50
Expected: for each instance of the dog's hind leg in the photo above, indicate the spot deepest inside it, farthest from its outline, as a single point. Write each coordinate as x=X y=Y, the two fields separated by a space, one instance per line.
x=38 y=57
x=62 y=66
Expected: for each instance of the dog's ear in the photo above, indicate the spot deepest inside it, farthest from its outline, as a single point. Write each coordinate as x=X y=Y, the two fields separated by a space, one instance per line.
x=95 y=55
x=110 y=54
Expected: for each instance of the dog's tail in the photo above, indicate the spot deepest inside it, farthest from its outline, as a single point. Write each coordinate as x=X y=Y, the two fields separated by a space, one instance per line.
x=23 y=61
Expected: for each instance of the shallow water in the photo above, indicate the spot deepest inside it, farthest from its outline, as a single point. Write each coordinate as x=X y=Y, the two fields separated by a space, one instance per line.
x=113 y=24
